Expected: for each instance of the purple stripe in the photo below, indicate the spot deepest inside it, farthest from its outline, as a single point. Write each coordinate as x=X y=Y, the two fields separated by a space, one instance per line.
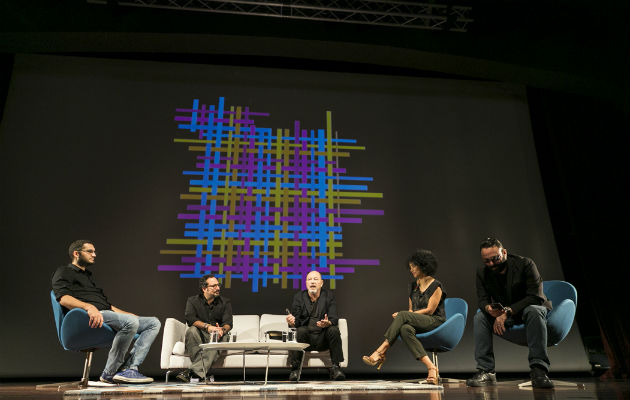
x=356 y=211
x=176 y=267
x=356 y=261
x=348 y=220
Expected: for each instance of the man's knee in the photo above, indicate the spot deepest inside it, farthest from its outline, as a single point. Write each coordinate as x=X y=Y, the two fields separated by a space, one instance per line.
x=193 y=335
x=333 y=331
x=154 y=323
x=534 y=313
x=480 y=318
x=131 y=325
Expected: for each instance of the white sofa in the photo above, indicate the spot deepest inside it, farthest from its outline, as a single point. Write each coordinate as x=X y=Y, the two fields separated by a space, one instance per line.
x=250 y=328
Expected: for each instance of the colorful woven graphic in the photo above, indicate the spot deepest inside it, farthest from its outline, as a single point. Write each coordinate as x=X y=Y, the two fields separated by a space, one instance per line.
x=265 y=206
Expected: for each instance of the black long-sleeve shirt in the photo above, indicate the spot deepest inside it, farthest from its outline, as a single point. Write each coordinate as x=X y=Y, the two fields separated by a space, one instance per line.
x=217 y=312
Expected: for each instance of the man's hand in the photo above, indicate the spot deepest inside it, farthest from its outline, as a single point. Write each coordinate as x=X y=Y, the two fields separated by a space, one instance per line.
x=324 y=323
x=394 y=315
x=499 y=324
x=215 y=328
x=96 y=318
x=495 y=313
x=291 y=320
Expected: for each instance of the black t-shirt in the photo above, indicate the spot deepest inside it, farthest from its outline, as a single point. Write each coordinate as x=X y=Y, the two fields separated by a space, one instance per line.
x=217 y=312
x=72 y=280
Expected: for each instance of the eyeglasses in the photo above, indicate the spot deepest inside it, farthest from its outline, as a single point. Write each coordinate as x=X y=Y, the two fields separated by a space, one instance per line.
x=89 y=251
x=494 y=259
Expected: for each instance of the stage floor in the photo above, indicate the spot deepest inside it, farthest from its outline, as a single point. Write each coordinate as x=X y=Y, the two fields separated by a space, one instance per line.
x=590 y=388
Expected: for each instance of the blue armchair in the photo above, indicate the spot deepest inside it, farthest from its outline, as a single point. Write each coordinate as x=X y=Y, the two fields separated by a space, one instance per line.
x=75 y=334
x=563 y=298
x=446 y=336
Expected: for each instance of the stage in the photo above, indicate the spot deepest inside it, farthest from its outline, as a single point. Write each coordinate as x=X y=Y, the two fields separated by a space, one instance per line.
x=588 y=388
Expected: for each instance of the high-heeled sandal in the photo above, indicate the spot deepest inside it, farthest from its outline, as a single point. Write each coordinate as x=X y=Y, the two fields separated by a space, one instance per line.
x=372 y=362
x=433 y=379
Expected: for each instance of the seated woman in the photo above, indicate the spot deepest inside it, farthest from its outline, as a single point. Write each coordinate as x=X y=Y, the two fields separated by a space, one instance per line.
x=426 y=312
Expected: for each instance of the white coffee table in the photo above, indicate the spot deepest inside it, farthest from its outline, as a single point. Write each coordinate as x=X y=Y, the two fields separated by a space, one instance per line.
x=250 y=347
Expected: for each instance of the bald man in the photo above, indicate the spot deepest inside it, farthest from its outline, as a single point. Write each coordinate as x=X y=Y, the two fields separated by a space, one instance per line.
x=314 y=314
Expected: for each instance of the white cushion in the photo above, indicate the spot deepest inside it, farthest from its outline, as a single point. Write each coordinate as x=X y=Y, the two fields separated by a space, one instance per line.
x=179 y=349
x=246 y=327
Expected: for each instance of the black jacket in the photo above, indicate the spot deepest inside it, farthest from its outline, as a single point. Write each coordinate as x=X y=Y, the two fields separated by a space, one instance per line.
x=301 y=308
x=523 y=286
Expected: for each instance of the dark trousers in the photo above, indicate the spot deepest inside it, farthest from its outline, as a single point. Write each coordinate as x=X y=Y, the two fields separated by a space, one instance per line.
x=406 y=325
x=535 y=318
x=328 y=339
x=201 y=360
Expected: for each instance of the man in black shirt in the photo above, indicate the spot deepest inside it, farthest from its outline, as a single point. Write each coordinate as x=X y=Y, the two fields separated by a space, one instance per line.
x=510 y=291
x=74 y=288
x=314 y=314
x=206 y=312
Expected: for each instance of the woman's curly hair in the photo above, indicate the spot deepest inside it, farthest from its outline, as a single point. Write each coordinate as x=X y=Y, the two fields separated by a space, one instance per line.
x=425 y=260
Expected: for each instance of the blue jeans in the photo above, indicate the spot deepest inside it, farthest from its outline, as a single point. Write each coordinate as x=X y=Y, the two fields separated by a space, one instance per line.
x=126 y=327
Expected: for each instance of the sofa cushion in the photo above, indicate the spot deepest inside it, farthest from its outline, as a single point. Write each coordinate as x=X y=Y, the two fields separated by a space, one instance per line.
x=246 y=327
x=179 y=349
x=272 y=322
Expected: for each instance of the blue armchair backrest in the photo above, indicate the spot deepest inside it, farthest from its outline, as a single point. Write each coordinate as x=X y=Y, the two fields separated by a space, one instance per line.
x=57 y=312
x=455 y=305
x=557 y=291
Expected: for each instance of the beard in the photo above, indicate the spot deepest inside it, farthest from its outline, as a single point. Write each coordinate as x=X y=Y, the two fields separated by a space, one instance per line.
x=312 y=291
x=83 y=262
x=499 y=268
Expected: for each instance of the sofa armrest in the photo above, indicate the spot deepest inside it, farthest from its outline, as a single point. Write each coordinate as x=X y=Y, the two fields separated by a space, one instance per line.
x=174 y=331
x=343 y=330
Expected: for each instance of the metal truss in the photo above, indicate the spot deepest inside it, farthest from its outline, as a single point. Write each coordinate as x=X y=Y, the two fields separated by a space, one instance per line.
x=403 y=14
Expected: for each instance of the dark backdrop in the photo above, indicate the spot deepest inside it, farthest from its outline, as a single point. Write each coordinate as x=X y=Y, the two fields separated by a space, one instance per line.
x=87 y=151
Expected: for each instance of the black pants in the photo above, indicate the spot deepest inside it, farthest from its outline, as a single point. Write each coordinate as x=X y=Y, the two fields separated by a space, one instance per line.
x=535 y=318
x=328 y=339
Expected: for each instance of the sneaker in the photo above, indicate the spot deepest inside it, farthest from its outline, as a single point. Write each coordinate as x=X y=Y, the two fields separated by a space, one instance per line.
x=131 y=376
x=539 y=377
x=293 y=376
x=482 y=378
x=336 y=374
x=183 y=376
x=106 y=378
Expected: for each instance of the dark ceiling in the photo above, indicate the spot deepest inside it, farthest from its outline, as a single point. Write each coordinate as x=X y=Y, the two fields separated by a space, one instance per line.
x=572 y=46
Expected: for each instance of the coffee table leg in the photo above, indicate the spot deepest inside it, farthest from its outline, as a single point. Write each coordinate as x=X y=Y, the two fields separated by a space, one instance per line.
x=203 y=365
x=243 y=366
x=301 y=363
x=267 y=368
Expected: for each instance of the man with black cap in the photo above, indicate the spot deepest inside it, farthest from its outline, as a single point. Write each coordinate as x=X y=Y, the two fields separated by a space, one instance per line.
x=509 y=292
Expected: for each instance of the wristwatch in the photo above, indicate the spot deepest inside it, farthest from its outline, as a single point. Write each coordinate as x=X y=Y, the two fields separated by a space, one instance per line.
x=508 y=311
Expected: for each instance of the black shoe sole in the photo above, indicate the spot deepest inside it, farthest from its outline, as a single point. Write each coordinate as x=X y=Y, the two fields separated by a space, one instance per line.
x=480 y=384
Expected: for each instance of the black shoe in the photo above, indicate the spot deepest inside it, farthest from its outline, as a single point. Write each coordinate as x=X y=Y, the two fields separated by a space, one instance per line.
x=293 y=376
x=336 y=374
x=539 y=377
x=482 y=378
x=183 y=376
